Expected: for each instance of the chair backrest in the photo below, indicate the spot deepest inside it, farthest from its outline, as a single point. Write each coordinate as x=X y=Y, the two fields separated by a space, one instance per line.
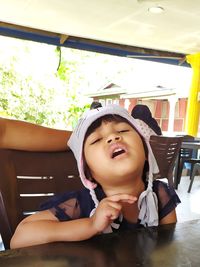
x=166 y=150
x=28 y=179
x=186 y=153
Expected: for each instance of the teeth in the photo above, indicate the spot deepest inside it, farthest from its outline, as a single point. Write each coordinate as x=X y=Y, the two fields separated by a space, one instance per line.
x=117 y=152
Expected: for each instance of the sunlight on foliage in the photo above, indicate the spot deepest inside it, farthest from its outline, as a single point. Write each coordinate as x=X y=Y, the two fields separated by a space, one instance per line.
x=32 y=90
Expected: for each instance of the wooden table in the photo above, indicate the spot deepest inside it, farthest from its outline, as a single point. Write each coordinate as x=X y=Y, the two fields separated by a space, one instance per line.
x=167 y=246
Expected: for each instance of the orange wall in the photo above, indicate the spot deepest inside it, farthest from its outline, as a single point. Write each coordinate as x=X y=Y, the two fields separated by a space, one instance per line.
x=161 y=112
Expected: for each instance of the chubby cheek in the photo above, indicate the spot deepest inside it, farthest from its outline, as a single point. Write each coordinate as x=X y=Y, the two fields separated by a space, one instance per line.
x=138 y=152
x=93 y=158
x=139 y=147
x=141 y=153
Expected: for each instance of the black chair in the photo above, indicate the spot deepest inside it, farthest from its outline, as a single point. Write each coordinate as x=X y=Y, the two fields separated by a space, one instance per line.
x=28 y=179
x=185 y=156
x=165 y=150
x=196 y=170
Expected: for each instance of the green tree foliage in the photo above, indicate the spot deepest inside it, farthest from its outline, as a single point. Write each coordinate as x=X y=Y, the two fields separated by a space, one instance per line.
x=25 y=99
x=51 y=101
x=45 y=84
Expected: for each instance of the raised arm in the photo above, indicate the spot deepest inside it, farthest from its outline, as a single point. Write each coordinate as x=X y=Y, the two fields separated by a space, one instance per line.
x=22 y=135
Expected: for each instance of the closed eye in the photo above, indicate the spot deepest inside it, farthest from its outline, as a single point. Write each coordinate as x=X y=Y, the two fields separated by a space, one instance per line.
x=124 y=131
x=95 y=141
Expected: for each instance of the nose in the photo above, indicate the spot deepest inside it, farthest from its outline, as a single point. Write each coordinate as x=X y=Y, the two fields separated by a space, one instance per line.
x=113 y=138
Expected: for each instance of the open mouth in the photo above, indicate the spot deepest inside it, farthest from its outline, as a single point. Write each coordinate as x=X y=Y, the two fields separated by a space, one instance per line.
x=117 y=152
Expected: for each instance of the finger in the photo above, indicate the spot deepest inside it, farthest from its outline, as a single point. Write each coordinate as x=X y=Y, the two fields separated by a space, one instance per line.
x=112 y=213
x=115 y=205
x=123 y=198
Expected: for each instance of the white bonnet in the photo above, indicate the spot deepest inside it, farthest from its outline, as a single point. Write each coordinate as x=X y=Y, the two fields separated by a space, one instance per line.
x=77 y=139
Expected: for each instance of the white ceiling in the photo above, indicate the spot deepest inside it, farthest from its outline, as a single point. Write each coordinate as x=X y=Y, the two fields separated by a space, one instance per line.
x=127 y=22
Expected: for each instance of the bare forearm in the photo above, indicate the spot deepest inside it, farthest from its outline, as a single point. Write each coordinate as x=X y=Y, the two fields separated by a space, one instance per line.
x=27 y=136
x=52 y=231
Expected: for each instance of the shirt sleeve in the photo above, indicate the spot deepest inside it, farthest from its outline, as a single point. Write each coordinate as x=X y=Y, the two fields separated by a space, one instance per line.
x=167 y=198
x=69 y=206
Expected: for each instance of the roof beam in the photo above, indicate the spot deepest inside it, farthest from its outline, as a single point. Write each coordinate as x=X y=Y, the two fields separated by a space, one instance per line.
x=59 y=39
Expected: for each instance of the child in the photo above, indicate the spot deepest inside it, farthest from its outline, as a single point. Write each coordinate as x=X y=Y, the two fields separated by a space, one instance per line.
x=111 y=150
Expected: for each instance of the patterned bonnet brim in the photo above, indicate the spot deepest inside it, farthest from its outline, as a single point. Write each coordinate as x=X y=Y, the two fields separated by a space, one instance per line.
x=147 y=202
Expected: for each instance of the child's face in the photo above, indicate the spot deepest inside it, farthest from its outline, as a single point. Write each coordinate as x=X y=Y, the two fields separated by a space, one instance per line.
x=114 y=153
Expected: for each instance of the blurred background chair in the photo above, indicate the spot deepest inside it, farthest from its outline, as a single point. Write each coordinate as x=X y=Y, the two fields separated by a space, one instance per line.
x=186 y=156
x=29 y=178
x=166 y=150
x=196 y=170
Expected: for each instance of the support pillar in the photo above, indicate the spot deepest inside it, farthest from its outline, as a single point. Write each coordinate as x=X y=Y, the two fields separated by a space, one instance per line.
x=193 y=106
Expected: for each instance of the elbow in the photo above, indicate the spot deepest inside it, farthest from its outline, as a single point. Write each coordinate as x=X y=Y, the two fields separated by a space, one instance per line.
x=14 y=243
x=22 y=237
x=27 y=234
x=19 y=239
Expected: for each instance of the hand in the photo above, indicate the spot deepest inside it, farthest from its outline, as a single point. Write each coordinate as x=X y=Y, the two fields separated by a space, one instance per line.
x=109 y=209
